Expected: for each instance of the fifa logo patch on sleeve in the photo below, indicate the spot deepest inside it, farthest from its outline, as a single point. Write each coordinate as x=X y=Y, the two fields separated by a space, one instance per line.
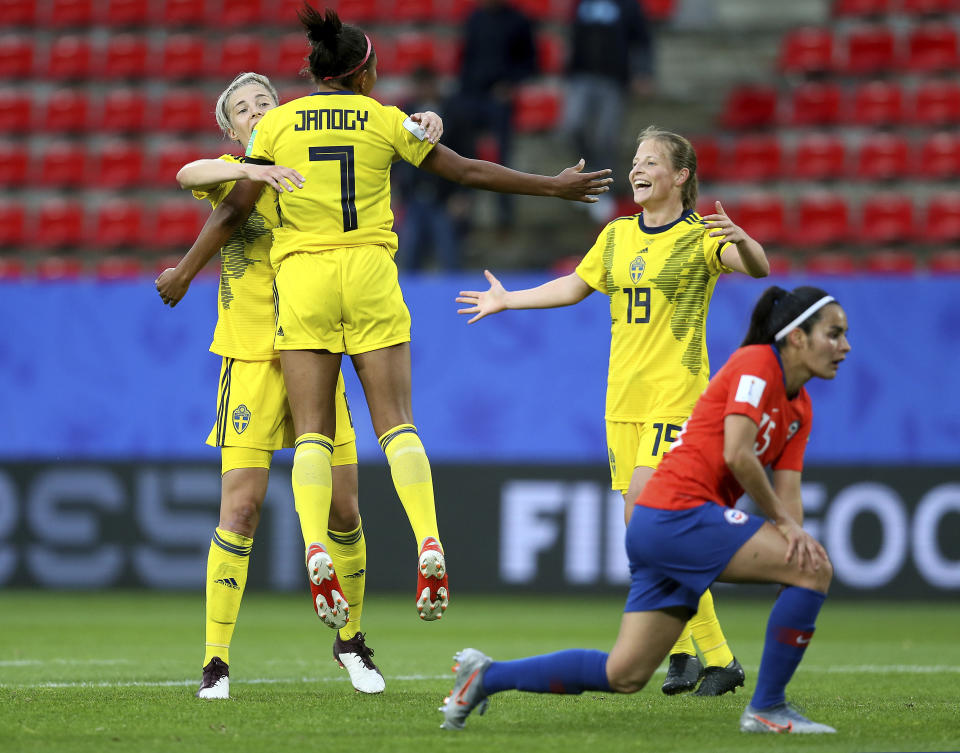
x=750 y=390
x=250 y=142
x=241 y=418
x=415 y=128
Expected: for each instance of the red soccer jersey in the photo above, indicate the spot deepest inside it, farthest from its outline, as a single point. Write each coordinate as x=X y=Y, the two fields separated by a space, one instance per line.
x=751 y=384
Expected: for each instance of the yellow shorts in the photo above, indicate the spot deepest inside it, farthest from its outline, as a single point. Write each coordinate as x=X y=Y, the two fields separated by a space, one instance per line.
x=638 y=445
x=252 y=411
x=344 y=300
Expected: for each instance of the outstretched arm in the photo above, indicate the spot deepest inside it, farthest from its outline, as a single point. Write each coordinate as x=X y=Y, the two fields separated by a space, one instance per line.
x=571 y=184
x=562 y=291
x=743 y=254
x=204 y=174
x=172 y=284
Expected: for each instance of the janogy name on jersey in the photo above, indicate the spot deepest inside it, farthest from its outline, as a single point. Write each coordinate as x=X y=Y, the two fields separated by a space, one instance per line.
x=332 y=119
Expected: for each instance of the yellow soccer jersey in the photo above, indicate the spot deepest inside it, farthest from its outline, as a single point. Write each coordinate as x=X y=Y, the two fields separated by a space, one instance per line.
x=343 y=144
x=659 y=281
x=245 y=308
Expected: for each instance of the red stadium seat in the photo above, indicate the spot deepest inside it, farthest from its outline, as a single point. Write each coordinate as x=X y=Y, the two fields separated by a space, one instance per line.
x=883 y=156
x=819 y=157
x=886 y=218
x=551 y=53
x=945 y=262
x=123 y=111
x=659 y=11
x=13 y=165
x=928 y=7
x=18 y=12
x=121 y=13
x=16 y=108
x=125 y=56
x=753 y=106
x=16 y=56
x=877 y=103
x=119 y=165
x=117 y=224
x=860 y=8
x=186 y=111
x=66 y=111
x=781 y=265
x=891 y=262
x=176 y=224
x=942 y=219
x=183 y=13
x=823 y=219
x=58 y=268
x=407 y=11
x=540 y=10
x=356 y=11
x=115 y=268
x=240 y=52
x=237 y=13
x=815 y=104
x=708 y=158
x=453 y=11
x=831 y=263
x=168 y=161
x=69 y=57
x=937 y=103
x=63 y=14
x=755 y=158
x=12 y=224
x=932 y=48
x=411 y=50
x=870 y=50
x=11 y=268
x=291 y=56
x=940 y=156
x=184 y=57
x=807 y=50
x=536 y=108
x=58 y=223
x=763 y=217
x=63 y=165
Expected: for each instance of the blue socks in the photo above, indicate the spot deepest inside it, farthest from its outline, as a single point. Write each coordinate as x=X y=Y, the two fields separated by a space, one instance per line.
x=569 y=672
x=789 y=630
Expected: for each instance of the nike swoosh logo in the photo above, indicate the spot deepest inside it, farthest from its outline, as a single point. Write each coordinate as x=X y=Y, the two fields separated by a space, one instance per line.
x=465 y=686
x=777 y=727
x=802 y=640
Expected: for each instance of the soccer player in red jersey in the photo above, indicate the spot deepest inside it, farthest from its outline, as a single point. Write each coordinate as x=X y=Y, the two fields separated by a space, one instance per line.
x=685 y=532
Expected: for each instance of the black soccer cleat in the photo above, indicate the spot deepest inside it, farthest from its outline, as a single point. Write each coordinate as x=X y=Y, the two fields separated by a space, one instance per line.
x=215 y=684
x=720 y=680
x=683 y=675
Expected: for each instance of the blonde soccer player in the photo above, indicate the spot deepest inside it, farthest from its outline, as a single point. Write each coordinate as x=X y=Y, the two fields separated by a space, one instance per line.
x=337 y=285
x=659 y=268
x=253 y=418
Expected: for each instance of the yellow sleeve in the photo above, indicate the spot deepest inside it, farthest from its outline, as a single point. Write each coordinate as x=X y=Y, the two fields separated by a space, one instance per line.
x=591 y=268
x=712 y=247
x=409 y=139
x=261 y=145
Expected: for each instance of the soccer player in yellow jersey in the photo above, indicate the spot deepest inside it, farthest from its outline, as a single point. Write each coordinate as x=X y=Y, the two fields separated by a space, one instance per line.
x=253 y=418
x=659 y=268
x=337 y=286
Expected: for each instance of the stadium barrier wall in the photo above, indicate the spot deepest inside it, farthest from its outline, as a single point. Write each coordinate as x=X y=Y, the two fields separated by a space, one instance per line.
x=892 y=532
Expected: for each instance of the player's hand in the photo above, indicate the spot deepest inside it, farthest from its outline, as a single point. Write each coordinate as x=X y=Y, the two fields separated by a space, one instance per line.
x=807 y=551
x=483 y=303
x=723 y=227
x=575 y=185
x=431 y=123
x=276 y=176
x=172 y=286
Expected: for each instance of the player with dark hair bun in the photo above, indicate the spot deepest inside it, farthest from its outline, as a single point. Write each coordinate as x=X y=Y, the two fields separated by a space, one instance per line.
x=685 y=532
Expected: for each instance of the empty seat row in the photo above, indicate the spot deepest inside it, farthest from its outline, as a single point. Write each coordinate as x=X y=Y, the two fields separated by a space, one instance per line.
x=872 y=8
x=870 y=50
x=826 y=156
x=825 y=219
x=932 y=102
x=114 y=267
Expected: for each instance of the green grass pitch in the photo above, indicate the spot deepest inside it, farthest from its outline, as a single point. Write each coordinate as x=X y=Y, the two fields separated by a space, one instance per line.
x=117 y=672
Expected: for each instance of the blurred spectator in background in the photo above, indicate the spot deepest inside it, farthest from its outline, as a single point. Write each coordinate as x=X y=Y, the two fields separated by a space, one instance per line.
x=610 y=53
x=498 y=52
x=433 y=219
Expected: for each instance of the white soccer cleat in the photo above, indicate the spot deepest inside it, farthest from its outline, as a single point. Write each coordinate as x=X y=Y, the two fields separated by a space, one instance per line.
x=328 y=602
x=780 y=719
x=215 y=684
x=468 y=693
x=433 y=595
x=354 y=655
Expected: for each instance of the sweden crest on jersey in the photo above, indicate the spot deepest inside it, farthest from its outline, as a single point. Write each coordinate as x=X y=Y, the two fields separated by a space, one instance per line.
x=636 y=268
x=241 y=418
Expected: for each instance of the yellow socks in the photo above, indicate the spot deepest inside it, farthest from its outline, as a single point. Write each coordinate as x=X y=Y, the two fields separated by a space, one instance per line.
x=312 y=485
x=226 y=578
x=684 y=644
x=349 y=552
x=411 y=477
x=707 y=633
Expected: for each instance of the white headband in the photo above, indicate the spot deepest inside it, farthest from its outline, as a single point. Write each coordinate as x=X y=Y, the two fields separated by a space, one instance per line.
x=803 y=317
